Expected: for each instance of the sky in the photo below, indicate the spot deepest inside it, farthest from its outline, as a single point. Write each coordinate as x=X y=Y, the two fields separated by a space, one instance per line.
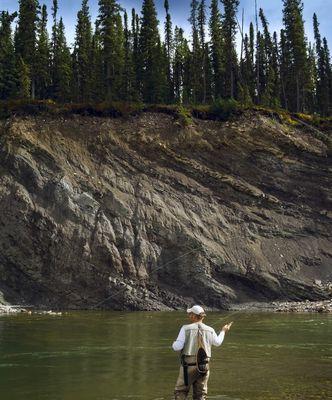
x=180 y=12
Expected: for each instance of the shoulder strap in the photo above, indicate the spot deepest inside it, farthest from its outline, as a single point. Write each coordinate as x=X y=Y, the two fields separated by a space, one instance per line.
x=201 y=356
x=200 y=342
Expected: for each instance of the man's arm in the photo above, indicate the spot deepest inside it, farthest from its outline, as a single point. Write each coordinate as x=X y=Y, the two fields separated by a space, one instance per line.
x=218 y=339
x=179 y=342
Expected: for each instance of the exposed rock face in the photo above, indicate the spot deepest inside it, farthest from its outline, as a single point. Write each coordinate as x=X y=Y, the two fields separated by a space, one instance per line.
x=143 y=214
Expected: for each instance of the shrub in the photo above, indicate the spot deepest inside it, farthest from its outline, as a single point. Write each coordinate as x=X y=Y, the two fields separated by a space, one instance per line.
x=25 y=107
x=225 y=108
x=184 y=116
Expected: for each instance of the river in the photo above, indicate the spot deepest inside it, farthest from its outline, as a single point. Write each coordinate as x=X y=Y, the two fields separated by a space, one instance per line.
x=116 y=356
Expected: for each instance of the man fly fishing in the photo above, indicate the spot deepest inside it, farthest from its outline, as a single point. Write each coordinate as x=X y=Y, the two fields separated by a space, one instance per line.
x=195 y=341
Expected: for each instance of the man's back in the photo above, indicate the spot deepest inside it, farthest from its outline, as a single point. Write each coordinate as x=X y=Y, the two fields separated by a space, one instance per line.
x=187 y=340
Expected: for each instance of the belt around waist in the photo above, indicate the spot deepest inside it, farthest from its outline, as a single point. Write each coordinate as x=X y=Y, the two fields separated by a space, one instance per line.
x=186 y=356
x=191 y=363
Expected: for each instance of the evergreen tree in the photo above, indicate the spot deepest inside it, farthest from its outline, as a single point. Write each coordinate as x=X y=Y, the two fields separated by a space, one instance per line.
x=135 y=29
x=196 y=65
x=261 y=68
x=26 y=38
x=275 y=68
x=251 y=83
x=216 y=54
x=181 y=67
x=24 y=76
x=54 y=40
x=150 y=53
x=322 y=77
x=162 y=95
x=252 y=43
x=312 y=95
x=246 y=67
x=204 y=53
x=326 y=106
x=200 y=50
x=318 y=38
x=97 y=75
x=229 y=34
x=319 y=78
x=169 y=53
x=268 y=66
x=43 y=56
x=129 y=81
x=62 y=64
x=296 y=46
x=285 y=65
x=208 y=76
x=8 y=71
x=187 y=77
x=112 y=37
x=55 y=9
x=82 y=52
x=248 y=88
x=178 y=64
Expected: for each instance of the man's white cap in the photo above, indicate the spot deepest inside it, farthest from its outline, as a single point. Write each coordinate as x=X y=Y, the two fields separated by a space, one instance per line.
x=198 y=310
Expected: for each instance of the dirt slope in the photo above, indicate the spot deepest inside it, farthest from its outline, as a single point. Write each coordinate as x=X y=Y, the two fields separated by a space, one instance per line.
x=150 y=215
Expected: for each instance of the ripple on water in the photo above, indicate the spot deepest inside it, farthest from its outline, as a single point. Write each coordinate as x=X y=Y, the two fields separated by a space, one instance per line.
x=224 y=397
x=10 y=365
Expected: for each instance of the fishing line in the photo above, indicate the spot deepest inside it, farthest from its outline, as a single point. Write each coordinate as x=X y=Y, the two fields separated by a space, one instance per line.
x=225 y=317
x=157 y=269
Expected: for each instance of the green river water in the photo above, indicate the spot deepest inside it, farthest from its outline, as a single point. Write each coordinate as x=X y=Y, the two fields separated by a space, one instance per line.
x=115 y=356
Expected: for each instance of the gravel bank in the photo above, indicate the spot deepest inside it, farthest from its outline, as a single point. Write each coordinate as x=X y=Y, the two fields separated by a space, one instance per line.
x=7 y=309
x=287 y=306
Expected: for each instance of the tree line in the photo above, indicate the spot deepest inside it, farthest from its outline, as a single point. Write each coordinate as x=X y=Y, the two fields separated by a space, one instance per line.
x=122 y=57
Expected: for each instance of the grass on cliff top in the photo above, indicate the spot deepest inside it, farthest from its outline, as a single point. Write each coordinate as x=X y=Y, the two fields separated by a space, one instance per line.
x=221 y=110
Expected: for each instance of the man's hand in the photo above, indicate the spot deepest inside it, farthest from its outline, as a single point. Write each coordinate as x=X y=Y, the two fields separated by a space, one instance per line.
x=227 y=327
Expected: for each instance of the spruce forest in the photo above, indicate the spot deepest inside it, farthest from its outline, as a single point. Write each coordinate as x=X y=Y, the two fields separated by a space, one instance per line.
x=121 y=57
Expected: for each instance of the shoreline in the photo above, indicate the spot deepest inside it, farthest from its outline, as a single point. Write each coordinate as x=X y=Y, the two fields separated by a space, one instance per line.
x=7 y=309
x=307 y=306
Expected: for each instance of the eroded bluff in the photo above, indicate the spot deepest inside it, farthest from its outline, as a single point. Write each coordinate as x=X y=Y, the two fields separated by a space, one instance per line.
x=142 y=213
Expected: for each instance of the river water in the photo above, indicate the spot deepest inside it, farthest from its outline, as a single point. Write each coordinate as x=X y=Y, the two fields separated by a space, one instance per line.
x=115 y=356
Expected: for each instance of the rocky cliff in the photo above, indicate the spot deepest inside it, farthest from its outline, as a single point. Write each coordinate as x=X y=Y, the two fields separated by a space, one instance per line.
x=142 y=213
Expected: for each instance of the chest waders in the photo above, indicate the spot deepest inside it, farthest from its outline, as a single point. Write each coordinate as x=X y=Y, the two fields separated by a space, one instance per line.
x=202 y=360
